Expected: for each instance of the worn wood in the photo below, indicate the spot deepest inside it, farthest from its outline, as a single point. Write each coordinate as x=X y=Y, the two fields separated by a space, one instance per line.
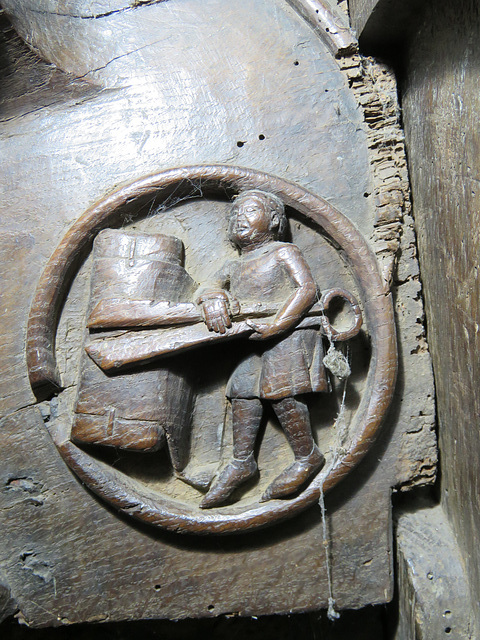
x=439 y=64
x=384 y=26
x=300 y=114
x=442 y=82
x=433 y=589
x=364 y=624
x=7 y=604
x=160 y=574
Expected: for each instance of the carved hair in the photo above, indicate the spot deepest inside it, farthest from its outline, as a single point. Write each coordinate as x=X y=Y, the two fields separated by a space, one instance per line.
x=272 y=205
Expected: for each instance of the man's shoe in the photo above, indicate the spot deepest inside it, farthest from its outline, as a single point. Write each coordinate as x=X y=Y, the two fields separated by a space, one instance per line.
x=294 y=476
x=235 y=473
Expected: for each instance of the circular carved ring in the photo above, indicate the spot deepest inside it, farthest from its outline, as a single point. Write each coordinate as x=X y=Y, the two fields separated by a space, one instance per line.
x=130 y=496
x=330 y=331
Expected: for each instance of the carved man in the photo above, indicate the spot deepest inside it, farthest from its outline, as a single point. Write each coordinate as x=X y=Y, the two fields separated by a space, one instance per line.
x=285 y=363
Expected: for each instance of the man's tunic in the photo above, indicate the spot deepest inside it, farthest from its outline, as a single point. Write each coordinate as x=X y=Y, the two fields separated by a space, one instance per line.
x=292 y=363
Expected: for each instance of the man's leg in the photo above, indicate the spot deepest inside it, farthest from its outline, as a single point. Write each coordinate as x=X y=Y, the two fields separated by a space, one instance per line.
x=294 y=419
x=246 y=417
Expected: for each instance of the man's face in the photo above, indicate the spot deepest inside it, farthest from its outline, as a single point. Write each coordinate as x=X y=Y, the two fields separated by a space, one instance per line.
x=249 y=222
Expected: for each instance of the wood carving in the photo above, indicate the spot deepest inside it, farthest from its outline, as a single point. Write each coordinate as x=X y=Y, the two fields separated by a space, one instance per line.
x=288 y=365
x=136 y=411
x=145 y=311
x=277 y=86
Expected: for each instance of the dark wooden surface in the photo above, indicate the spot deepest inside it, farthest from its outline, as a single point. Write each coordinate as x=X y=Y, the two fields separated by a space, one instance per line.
x=433 y=588
x=367 y=624
x=440 y=101
x=384 y=26
x=441 y=108
x=67 y=557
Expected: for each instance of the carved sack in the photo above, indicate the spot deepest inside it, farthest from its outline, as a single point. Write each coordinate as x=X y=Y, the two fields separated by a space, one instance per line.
x=134 y=266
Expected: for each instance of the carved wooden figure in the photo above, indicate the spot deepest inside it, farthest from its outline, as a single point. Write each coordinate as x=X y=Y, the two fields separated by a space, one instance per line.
x=288 y=365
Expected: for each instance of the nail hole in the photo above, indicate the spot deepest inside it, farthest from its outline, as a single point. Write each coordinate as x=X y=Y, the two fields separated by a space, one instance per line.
x=327 y=30
x=448 y=629
x=430 y=575
x=447 y=613
x=240 y=143
x=261 y=137
x=296 y=63
x=366 y=195
x=211 y=607
x=157 y=587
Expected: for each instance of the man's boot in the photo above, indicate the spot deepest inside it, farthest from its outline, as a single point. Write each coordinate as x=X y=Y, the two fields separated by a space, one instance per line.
x=247 y=415
x=294 y=418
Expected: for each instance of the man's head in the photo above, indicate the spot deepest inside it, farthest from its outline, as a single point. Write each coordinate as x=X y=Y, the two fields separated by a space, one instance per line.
x=256 y=217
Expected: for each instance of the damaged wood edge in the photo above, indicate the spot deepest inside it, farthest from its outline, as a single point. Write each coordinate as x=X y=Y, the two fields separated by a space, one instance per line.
x=375 y=90
x=374 y=87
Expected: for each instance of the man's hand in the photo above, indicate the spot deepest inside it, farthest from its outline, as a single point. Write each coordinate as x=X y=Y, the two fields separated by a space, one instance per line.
x=216 y=313
x=263 y=331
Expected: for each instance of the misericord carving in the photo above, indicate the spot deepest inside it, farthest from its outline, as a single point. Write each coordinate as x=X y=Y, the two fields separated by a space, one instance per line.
x=145 y=309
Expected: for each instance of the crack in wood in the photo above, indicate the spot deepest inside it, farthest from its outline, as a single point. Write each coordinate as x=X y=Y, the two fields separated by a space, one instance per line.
x=136 y=5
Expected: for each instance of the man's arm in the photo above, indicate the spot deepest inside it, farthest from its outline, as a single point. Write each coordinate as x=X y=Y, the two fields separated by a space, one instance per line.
x=299 y=301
